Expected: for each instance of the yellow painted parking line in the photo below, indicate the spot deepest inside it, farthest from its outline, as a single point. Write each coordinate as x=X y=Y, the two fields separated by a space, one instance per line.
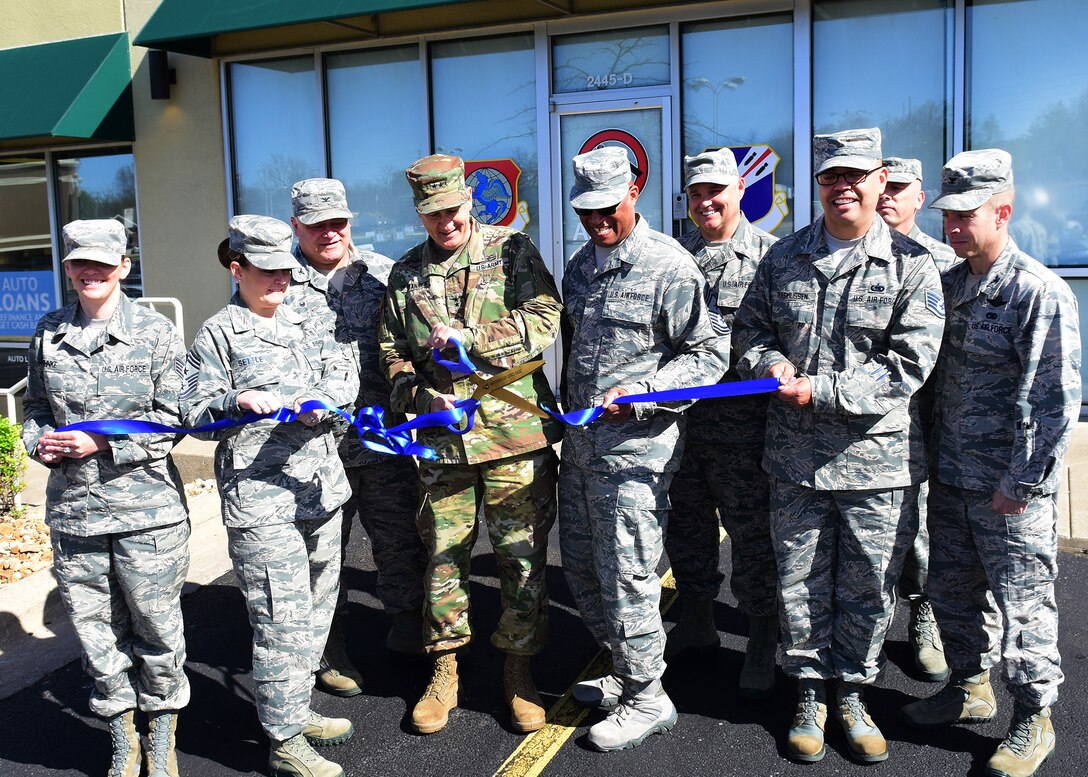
x=535 y=751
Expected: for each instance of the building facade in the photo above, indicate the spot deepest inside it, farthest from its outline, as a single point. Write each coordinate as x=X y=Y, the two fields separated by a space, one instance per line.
x=358 y=89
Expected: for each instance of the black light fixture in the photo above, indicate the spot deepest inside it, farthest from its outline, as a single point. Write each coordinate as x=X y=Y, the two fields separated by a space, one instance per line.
x=161 y=74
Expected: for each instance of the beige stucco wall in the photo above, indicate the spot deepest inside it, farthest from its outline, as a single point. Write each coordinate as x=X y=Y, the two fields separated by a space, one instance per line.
x=181 y=188
x=26 y=22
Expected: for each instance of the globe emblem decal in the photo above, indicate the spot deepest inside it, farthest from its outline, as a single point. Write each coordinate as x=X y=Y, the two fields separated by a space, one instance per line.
x=492 y=195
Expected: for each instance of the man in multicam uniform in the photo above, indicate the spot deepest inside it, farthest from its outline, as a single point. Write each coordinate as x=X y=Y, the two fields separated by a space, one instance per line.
x=487 y=287
x=336 y=278
x=282 y=484
x=720 y=475
x=899 y=205
x=115 y=506
x=1007 y=398
x=636 y=321
x=848 y=315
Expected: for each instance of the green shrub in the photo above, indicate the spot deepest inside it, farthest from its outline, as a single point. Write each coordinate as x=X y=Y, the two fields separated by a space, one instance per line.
x=12 y=465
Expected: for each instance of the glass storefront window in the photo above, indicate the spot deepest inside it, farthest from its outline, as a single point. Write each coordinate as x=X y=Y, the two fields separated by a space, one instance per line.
x=369 y=154
x=496 y=133
x=737 y=78
x=902 y=87
x=613 y=59
x=275 y=132
x=1035 y=107
x=100 y=185
x=26 y=258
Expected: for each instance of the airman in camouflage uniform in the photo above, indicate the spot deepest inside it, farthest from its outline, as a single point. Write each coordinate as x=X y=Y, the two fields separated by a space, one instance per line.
x=848 y=315
x=334 y=276
x=1007 y=398
x=282 y=484
x=636 y=321
x=720 y=475
x=899 y=205
x=488 y=287
x=115 y=506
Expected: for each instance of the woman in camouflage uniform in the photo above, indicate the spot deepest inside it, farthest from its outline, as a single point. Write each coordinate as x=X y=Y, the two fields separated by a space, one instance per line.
x=114 y=505
x=282 y=483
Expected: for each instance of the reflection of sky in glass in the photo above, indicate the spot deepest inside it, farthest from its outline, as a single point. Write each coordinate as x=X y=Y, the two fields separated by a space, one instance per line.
x=615 y=59
x=276 y=128
x=737 y=90
x=882 y=63
x=1035 y=105
x=576 y=129
x=369 y=94
x=483 y=94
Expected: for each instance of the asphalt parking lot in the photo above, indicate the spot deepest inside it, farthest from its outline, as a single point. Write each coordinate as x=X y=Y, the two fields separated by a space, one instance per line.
x=47 y=729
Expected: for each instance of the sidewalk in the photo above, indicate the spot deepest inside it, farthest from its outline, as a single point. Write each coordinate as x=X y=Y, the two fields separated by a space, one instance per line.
x=36 y=636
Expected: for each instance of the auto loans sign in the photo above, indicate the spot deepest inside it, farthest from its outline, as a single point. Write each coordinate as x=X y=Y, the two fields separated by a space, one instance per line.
x=24 y=298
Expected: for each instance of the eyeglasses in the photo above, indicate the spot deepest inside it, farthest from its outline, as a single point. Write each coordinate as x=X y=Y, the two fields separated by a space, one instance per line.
x=583 y=212
x=850 y=176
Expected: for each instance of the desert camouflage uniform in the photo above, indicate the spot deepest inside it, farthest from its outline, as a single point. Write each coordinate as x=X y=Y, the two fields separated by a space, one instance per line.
x=118 y=518
x=384 y=488
x=845 y=468
x=639 y=322
x=497 y=290
x=282 y=487
x=720 y=474
x=1008 y=396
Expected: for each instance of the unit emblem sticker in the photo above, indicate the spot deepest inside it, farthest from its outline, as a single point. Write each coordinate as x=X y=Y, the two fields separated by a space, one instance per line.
x=764 y=203
x=495 y=198
x=625 y=140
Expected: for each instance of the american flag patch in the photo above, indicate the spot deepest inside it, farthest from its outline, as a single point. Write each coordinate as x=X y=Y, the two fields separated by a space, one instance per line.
x=191 y=375
x=935 y=302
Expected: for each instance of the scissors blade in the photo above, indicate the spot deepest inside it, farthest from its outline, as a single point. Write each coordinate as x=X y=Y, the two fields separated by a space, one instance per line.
x=521 y=403
x=504 y=378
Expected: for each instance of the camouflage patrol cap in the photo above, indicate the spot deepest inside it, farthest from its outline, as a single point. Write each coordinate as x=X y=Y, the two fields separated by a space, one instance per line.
x=264 y=241
x=438 y=182
x=971 y=178
x=903 y=170
x=314 y=200
x=97 y=240
x=718 y=166
x=856 y=149
x=602 y=177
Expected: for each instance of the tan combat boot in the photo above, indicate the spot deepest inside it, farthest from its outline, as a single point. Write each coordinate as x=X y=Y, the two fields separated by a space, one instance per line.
x=295 y=757
x=805 y=741
x=1028 y=744
x=863 y=738
x=695 y=630
x=323 y=732
x=337 y=675
x=965 y=699
x=757 y=675
x=925 y=642
x=433 y=709
x=126 y=745
x=161 y=758
x=526 y=706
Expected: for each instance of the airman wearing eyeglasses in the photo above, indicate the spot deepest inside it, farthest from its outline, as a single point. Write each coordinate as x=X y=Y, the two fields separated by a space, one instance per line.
x=335 y=278
x=636 y=321
x=848 y=315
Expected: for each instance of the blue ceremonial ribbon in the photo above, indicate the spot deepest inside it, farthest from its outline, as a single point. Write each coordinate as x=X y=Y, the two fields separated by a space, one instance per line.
x=396 y=441
x=736 y=388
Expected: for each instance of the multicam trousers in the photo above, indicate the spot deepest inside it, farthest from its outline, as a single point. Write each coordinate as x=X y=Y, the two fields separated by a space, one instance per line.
x=517 y=495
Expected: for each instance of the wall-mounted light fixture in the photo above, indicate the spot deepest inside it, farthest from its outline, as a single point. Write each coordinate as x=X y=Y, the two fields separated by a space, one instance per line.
x=161 y=74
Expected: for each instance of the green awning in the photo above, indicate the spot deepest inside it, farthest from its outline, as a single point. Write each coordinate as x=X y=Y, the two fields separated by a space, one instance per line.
x=73 y=89
x=191 y=26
